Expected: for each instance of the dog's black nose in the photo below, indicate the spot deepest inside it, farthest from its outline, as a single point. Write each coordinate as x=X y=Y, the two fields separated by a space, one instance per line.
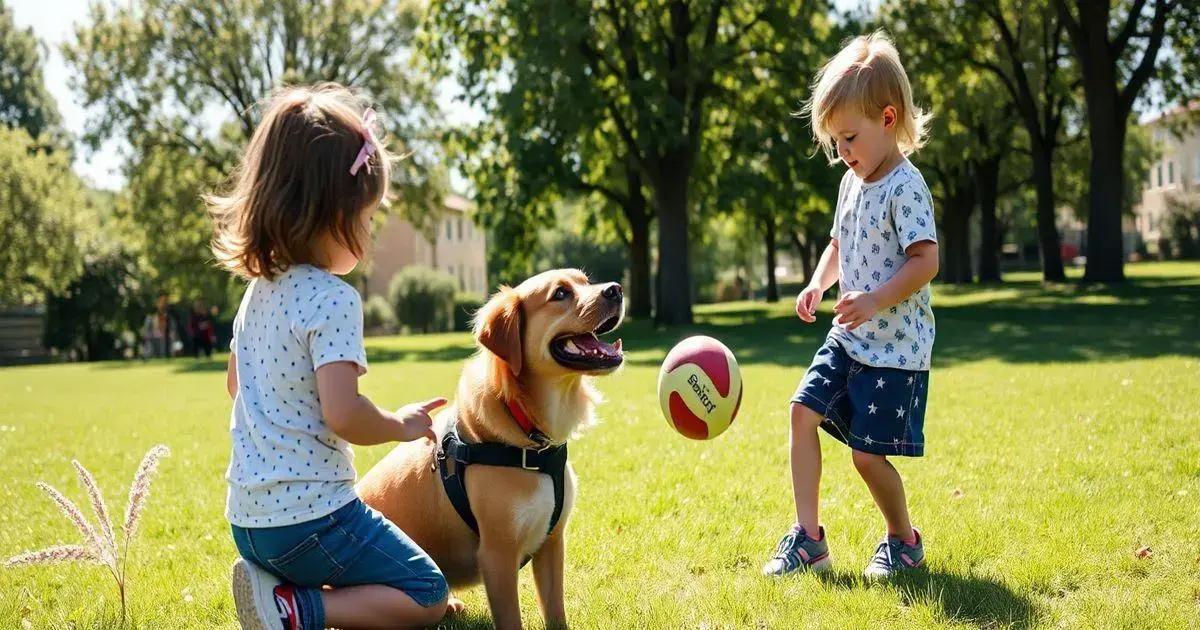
x=612 y=292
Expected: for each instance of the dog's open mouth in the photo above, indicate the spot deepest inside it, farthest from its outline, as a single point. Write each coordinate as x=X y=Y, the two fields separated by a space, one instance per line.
x=587 y=352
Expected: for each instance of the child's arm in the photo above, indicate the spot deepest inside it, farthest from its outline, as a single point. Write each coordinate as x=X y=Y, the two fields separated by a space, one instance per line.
x=824 y=276
x=920 y=267
x=916 y=272
x=358 y=421
x=826 y=273
x=231 y=383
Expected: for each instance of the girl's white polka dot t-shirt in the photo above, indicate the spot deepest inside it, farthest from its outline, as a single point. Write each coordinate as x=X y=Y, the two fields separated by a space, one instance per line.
x=287 y=465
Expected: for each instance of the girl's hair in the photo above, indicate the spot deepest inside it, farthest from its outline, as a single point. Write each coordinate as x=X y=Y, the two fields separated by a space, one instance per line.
x=294 y=184
x=866 y=75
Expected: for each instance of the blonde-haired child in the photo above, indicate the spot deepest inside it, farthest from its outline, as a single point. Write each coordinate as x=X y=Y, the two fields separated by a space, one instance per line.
x=296 y=217
x=868 y=383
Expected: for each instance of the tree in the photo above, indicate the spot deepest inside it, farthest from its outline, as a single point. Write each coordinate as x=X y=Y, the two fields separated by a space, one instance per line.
x=519 y=184
x=1022 y=45
x=1031 y=65
x=181 y=82
x=654 y=72
x=24 y=101
x=42 y=216
x=969 y=140
x=1117 y=57
x=769 y=171
x=41 y=200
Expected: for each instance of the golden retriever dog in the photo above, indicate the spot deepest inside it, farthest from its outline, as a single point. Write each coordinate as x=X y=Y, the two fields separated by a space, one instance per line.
x=539 y=349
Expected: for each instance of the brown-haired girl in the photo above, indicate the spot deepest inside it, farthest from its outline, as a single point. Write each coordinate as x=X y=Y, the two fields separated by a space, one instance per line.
x=295 y=218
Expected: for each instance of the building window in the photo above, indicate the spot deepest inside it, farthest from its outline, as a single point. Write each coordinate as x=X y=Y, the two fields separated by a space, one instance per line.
x=1159 y=184
x=1170 y=172
x=459 y=228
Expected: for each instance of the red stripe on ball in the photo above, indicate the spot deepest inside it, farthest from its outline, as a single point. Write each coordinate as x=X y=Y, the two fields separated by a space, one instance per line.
x=685 y=421
x=706 y=353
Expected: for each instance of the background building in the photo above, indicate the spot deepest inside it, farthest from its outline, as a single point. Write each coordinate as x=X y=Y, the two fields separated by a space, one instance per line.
x=458 y=248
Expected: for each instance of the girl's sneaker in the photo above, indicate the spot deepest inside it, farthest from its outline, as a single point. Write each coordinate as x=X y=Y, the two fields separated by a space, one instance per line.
x=796 y=551
x=893 y=556
x=262 y=601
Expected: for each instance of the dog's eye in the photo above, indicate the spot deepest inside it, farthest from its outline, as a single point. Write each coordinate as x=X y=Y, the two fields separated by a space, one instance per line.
x=561 y=293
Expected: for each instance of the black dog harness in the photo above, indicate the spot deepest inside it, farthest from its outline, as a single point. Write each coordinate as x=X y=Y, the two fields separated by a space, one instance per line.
x=456 y=456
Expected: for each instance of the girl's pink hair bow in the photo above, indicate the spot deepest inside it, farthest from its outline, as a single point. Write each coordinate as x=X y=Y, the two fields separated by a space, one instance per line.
x=369 y=142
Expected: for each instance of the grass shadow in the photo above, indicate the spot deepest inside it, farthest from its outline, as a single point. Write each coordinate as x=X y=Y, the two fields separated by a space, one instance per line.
x=968 y=599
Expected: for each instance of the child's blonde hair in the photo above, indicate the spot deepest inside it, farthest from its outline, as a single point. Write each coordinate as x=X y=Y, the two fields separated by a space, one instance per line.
x=294 y=183
x=866 y=75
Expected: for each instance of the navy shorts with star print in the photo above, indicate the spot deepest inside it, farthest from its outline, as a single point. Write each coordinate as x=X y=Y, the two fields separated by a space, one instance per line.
x=871 y=409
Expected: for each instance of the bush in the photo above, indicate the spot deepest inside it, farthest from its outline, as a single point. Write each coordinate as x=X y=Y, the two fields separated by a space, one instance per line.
x=378 y=316
x=465 y=305
x=1182 y=226
x=423 y=299
x=98 y=314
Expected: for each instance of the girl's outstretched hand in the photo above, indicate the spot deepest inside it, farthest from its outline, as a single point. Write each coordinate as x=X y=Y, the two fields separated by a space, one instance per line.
x=415 y=421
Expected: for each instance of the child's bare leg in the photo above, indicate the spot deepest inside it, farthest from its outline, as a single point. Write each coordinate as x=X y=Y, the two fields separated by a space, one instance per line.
x=887 y=488
x=806 y=467
x=377 y=606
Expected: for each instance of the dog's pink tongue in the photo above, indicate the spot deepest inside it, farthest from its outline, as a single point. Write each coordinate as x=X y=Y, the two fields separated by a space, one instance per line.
x=590 y=344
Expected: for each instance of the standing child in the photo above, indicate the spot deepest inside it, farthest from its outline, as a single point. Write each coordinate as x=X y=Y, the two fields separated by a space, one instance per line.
x=868 y=383
x=298 y=216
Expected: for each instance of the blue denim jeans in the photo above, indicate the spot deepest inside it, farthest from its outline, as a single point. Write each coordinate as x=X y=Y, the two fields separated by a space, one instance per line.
x=353 y=545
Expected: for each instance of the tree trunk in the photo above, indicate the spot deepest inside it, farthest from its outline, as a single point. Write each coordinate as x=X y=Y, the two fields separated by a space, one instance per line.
x=987 y=179
x=769 y=238
x=639 y=246
x=674 y=303
x=1108 y=107
x=639 y=268
x=804 y=251
x=956 y=222
x=1105 y=248
x=1048 y=239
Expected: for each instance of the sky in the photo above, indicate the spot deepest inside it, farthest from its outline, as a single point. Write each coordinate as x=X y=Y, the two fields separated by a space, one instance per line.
x=53 y=22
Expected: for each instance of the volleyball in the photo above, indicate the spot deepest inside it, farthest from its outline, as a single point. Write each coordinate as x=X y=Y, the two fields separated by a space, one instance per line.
x=700 y=388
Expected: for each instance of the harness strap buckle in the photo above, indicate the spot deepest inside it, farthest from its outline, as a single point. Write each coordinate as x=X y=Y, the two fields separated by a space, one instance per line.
x=525 y=457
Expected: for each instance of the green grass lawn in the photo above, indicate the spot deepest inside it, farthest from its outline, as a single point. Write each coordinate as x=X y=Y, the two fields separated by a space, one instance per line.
x=1062 y=435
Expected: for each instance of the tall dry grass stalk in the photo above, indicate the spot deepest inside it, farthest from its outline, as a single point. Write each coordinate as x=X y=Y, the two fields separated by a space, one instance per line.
x=100 y=547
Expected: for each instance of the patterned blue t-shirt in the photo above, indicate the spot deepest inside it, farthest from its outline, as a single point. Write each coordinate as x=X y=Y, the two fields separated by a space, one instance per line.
x=874 y=224
x=287 y=465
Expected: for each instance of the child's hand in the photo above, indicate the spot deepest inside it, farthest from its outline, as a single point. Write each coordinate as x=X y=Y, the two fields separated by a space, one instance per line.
x=415 y=422
x=806 y=303
x=854 y=308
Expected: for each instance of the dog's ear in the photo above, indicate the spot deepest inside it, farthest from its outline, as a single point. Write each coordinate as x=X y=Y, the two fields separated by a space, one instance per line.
x=498 y=327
